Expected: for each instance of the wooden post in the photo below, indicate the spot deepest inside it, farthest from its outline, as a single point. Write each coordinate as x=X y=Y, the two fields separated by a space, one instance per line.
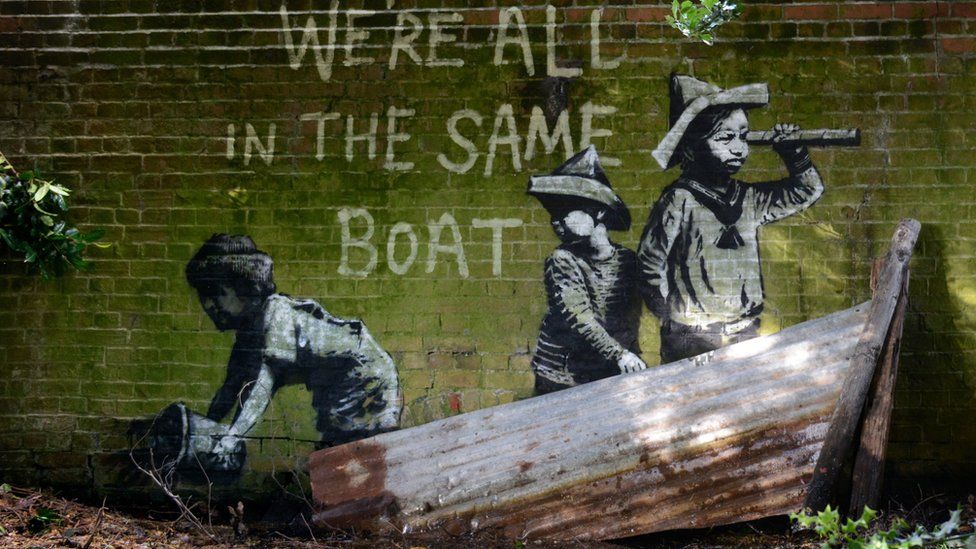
x=844 y=422
x=869 y=463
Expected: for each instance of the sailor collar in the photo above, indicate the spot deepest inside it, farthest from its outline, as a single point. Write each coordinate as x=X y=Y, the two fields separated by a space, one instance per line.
x=727 y=208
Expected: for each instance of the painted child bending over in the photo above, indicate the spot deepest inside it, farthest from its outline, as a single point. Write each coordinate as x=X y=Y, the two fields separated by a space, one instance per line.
x=282 y=340
x=699 y=253
x=590 y=329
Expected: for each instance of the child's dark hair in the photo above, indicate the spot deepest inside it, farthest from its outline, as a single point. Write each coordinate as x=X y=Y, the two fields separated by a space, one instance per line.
x=233 y=261
x=701 y=127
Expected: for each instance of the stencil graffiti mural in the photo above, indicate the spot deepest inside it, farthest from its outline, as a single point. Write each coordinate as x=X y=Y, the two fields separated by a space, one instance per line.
x=699 y=253
x=590 y=329
x=280 y=340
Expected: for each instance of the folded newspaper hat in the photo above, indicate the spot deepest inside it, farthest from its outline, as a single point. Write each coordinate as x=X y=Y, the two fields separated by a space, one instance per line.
x=689 y=98
x=581 y=177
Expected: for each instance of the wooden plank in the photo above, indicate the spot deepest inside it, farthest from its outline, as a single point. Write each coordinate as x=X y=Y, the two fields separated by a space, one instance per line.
x=844 y=422
x=730 y=435
x=869 y=464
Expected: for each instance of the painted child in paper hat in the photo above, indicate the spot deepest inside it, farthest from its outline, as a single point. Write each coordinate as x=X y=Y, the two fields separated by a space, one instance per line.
x=281 y=340
x=590 y=329
x=699 y=253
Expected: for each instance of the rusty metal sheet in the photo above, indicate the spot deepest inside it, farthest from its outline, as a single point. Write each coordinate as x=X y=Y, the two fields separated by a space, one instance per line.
x=728 y=436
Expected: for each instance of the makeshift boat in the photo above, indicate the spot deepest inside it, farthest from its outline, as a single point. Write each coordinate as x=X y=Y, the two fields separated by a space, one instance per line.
x=728 y=436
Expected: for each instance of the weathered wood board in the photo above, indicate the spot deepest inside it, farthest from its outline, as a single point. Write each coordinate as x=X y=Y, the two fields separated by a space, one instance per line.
x=839 y=442
x=727 y=436
x=869 y=462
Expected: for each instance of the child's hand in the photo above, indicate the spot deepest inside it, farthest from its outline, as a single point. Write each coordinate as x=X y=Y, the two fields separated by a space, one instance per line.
x=227 y=445
x=629 y=362
x=783 y=133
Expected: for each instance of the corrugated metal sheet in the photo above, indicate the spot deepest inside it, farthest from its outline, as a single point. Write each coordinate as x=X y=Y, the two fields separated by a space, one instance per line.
x=729 y=435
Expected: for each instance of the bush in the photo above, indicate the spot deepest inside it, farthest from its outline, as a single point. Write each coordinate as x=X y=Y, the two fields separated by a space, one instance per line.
x=32 y=223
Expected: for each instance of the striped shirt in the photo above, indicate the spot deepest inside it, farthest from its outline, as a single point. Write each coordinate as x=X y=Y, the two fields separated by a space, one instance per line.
x=593 y=317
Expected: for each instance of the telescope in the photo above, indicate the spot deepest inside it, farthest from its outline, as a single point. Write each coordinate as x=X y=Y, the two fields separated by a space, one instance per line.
x=810 y=138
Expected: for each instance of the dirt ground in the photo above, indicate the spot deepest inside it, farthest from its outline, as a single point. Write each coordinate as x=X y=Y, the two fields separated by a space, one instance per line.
x=31 y=518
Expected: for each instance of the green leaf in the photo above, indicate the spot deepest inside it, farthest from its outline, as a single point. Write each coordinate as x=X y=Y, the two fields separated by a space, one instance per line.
x=58 y=189
x=868 y=514
x=92 y=236
x=42 y=191
x=42 y=520
x=32 y=214
x=699 y=20
x=38 y=208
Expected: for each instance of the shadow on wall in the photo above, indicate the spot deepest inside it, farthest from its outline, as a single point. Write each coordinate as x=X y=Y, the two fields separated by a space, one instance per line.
x=934 y=392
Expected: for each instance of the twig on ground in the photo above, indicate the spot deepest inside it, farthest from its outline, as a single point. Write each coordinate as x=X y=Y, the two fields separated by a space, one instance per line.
x=289 y=538
x=98 y=523
x=310 y=532
x=165 y=482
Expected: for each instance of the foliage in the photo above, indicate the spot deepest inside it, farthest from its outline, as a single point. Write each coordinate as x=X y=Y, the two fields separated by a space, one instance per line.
x=700 y=19
x=862 y=534
x=43 y=519
x=32 y=223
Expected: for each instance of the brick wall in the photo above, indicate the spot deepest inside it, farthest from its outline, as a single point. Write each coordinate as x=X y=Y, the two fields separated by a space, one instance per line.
x=147 y=109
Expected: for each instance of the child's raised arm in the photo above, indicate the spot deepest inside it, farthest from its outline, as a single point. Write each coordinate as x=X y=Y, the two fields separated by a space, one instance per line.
x=774 y=200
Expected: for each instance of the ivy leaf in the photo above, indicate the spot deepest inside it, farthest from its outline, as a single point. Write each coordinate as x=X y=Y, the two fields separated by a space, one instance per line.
x=949 y=526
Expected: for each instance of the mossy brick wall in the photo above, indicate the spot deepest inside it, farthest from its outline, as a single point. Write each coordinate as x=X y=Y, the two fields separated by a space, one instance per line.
x=130 y=104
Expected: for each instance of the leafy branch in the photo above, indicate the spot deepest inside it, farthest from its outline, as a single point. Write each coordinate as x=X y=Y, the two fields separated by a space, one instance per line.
x=699 y=19
x=33 y=225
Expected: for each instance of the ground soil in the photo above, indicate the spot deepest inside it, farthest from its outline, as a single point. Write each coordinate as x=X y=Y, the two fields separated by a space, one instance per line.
x=32 y=518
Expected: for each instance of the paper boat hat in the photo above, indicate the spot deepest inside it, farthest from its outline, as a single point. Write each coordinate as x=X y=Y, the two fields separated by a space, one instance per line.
x=581 y=178
x=689 y=98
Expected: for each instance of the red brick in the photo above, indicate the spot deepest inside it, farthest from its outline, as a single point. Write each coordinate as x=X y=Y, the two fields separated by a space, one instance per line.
x=654 y=14
x=812 y=11
x=577 y=15
x=481 y=17
x=920 y=10
x=866 y=11
x=964 y=9
x=958 y=45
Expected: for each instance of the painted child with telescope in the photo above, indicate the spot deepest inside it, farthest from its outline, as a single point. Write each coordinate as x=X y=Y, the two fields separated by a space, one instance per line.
x=699 y=253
